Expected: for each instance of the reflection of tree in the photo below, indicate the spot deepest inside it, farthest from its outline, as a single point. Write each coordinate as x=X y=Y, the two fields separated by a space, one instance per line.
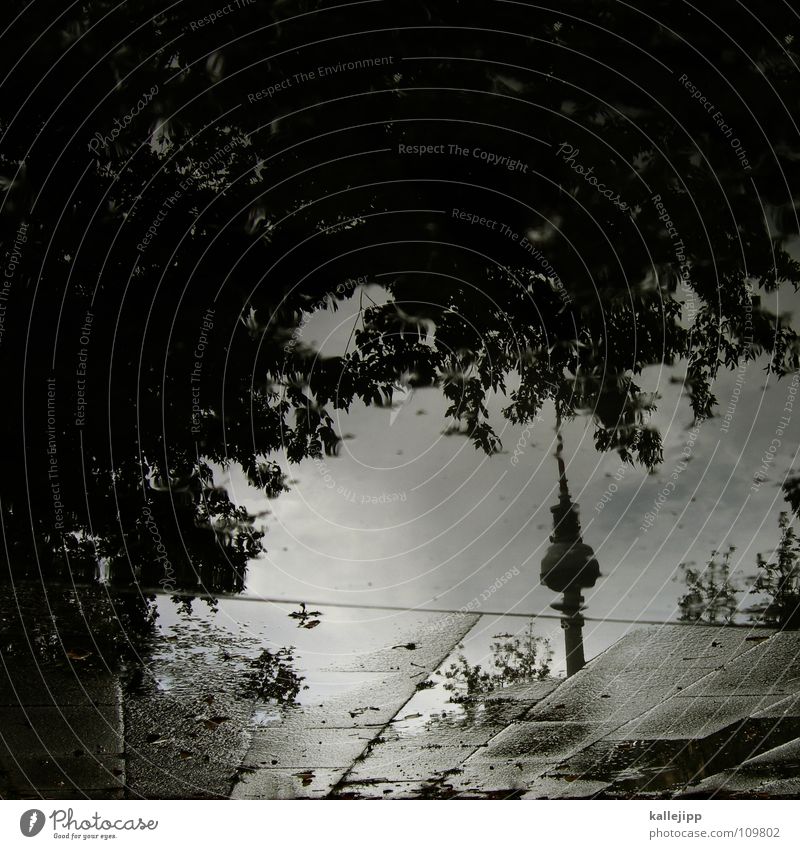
x=470 y=311
x=712 y=596
x=272 y=677
x=92 y=628
x=515 y=660
x=778 y=579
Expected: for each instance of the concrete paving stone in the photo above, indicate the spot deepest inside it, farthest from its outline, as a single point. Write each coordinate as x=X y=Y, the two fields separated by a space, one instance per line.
x=419 y=644
x=630 y=767
x=771 y=666
x=370 y=705
x=385 y=790
x=498 y=711
x=21 y=686
x=27 y=777
x=732 y=785
x=436 y=733
x=533 y=692
x=723 y=785
x=325 y=748
x=787 y=707
x=559 y=788
x=400 y=762
x=650 y=649
x=750 y=777
x=405 y=751
x=483 y=779
x=631 y=676
x=287 y=783
x=638 y=767
x=538 y=742
x=774 y=765
x=419 y=650
x=784 y=788
x=683 y=717
x=58 y=731
x=786 y=756
x=175 y=750
x=610 y=702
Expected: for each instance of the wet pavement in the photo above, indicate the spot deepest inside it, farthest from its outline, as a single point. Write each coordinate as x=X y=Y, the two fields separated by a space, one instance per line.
x=246 y=700
x=309 y=750
x=655 y=715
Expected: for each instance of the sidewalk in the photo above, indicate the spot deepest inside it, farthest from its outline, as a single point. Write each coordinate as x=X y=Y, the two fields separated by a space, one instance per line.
x=665 y=711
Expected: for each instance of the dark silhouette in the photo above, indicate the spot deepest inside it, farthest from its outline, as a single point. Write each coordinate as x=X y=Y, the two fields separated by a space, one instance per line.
x=179 y=197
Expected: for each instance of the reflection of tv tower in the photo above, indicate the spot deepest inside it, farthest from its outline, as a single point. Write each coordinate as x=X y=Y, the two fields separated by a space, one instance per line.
x=568 y=565
x=34 y=820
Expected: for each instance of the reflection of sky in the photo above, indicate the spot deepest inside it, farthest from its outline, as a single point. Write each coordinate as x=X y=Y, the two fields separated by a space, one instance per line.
x=407 y=516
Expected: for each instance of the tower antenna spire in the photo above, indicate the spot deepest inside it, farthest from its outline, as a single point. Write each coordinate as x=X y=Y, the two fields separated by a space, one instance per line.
x=569 y=565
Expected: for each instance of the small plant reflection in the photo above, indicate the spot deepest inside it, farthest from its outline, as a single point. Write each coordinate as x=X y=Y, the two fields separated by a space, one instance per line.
x=272 y=678
x=306 y=618
x=713 y=597
x=515 y=659
x=778 y=580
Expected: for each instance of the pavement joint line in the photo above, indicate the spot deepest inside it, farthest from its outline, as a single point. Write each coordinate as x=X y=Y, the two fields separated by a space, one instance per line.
x=343 y=779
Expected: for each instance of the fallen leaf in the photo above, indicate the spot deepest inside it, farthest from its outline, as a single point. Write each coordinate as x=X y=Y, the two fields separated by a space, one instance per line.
x=72 y=654
x=306 y=777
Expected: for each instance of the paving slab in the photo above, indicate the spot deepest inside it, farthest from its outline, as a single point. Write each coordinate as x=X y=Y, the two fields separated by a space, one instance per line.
x=75 y=746
x=287 y=783
x=392 y=675
x=534 y=691
x=503 y=779
x=399 y=761
x=785 y=788
x=378 y=789
x=631 y=676
x=184 y=748
x=538 y=742
x=547 y=787
x=769 y=768
x=45 y=776
x=787 y=707
x=630 y=769
x=685 y=717
x=93 y=729
x=325 y=748
x=45 y=687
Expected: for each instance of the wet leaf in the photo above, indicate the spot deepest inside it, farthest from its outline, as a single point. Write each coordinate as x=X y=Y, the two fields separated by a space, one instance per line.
x=306 y=777
x=74 y=654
